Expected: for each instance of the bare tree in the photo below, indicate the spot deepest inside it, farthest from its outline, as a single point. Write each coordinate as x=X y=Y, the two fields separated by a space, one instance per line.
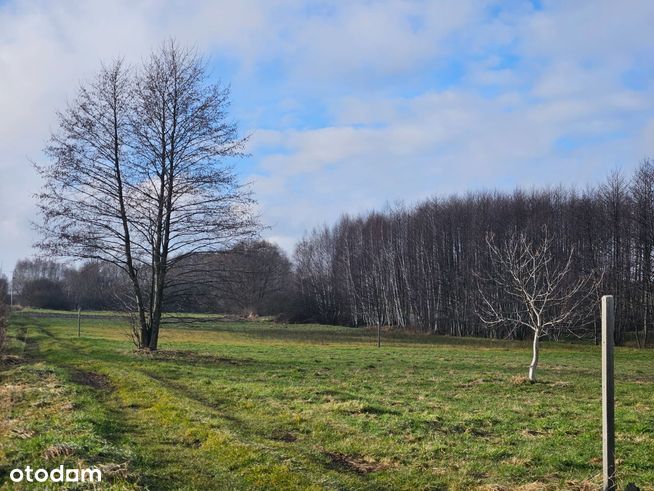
x=252 y=278
x=138 y=179
x=255 y=274
x=527 y=288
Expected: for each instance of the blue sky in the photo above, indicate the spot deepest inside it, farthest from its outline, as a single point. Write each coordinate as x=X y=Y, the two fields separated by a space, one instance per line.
x=353 y=105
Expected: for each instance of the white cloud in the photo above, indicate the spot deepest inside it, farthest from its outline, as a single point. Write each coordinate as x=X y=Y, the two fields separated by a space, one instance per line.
x=47 y=48
x=529 y=80
x=360 y=39
x=442 y=143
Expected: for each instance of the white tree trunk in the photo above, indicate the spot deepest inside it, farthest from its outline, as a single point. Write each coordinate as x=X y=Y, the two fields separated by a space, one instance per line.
x=534 y=359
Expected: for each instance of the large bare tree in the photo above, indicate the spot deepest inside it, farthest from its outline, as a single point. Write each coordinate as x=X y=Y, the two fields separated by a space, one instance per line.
x=137 y=176
x=526 y=287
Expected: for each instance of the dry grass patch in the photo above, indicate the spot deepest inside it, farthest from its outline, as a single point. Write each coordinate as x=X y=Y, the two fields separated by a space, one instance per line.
x=520 y=380
x=113 y=471
x=471 y=383
x=58 y=450
x=532 y=486
x=91 y=379
x=360 y=465
x=529 y=433
x=592 y=484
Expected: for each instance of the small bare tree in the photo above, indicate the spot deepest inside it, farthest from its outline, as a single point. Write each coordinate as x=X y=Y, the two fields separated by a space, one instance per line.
x=526 y=288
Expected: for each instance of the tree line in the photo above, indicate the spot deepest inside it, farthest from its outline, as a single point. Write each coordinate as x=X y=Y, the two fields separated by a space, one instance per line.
x=422 y=267
x=251 y=278
x=429 y=267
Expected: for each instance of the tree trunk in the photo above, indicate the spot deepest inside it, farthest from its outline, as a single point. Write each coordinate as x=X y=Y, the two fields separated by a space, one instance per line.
x=157 y=309
x=144 y=340
x=154 y=337
x=534 y=359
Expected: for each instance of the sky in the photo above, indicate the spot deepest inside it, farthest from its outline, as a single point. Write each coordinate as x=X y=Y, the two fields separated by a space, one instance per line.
x=354 y=105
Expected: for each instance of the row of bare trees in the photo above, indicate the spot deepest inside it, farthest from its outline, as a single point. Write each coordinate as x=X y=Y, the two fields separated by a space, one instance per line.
x=44 y=283
x=251 y=278
x=138 y=179
x=429 y=267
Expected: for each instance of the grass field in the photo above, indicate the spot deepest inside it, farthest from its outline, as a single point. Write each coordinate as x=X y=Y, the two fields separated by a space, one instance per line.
x=228 y=405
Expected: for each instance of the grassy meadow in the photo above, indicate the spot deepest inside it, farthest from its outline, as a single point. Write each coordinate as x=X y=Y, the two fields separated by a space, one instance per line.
x=259 y=405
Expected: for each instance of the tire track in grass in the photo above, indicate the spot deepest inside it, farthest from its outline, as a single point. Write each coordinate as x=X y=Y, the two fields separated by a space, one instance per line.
x=159 y=461
x=76 y=425
x=311 y=455
x=168 y=438
x=187 y=392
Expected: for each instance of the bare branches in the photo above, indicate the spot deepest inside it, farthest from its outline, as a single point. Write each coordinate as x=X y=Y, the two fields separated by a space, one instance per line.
x=138 y=176
x=525 y=286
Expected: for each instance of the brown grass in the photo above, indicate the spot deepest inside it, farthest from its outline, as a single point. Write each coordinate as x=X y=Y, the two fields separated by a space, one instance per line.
x=113 y=470
x=520 y=380
x=58 y=450
x=359 y=465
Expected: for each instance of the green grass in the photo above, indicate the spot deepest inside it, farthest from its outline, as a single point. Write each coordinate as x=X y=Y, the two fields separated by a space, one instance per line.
x=108 y=313
x=229 y=405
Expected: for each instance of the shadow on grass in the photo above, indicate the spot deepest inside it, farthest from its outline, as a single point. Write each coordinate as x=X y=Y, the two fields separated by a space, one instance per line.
x=190 y=357
x=213 y=404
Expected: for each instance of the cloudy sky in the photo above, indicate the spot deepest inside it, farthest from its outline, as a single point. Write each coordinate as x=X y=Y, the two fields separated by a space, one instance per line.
x=353 y=105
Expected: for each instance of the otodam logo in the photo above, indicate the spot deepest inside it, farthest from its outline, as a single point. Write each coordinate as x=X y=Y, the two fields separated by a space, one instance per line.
x=58 y=474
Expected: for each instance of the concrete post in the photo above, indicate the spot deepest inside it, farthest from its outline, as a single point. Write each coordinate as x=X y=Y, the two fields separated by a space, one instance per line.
x=608 y=415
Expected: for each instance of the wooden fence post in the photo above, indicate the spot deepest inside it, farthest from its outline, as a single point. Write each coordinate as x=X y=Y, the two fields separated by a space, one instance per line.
x=608 y=410
x=79 y=322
